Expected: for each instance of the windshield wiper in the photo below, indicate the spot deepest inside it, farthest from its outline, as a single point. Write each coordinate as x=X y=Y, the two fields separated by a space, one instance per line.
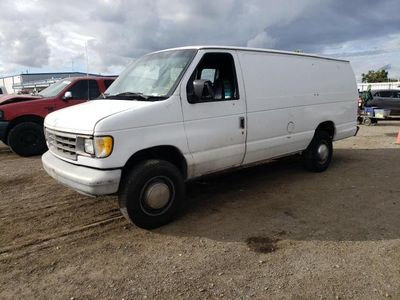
x=127 y=95
x=134 y=96
x=156 y=98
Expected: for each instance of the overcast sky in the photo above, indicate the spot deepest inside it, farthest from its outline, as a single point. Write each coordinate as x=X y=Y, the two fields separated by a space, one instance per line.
x=48 y=35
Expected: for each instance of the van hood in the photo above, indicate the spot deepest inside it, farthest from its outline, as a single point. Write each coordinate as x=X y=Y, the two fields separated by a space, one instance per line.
x=12 y=98
x=82 y=118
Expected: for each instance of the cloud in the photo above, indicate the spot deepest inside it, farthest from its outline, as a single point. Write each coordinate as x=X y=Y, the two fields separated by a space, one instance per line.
x=27 y=47
x=121 y=30
x=261 y=40
x=369 y=53
x=338 y=21
x=21 y=43
x=52 y=35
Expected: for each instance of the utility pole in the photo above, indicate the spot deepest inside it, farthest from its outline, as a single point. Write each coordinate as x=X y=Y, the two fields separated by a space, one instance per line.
x=87 y=60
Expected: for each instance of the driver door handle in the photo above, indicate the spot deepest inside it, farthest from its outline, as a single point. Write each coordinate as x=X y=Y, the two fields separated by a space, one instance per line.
x=241 y=123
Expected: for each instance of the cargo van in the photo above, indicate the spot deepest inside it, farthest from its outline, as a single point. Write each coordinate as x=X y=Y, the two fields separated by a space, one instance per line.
x=181 y=113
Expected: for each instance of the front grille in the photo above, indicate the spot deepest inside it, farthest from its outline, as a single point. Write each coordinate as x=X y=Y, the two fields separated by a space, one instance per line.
x=62 y=143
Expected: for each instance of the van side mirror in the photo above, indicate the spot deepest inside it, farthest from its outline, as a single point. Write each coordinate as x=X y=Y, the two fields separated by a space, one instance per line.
x=202 y=90
x=67 y=95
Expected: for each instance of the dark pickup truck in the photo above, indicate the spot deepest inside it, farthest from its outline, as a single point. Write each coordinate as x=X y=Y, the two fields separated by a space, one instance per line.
x=386 y=99
x=21 y=116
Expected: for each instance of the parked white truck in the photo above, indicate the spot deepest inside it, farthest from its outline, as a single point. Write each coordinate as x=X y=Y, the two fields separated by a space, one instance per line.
x=181 y=113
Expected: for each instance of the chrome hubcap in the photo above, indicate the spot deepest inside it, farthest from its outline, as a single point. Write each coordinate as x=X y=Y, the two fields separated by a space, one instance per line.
x=157 y=195
x=323 y=153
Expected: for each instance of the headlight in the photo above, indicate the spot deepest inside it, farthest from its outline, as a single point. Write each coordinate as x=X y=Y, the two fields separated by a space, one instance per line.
x=103 y=146
x=88 y=146
x=99 y=146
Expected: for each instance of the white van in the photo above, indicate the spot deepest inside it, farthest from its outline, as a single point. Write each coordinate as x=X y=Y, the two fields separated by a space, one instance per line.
x=181 y=113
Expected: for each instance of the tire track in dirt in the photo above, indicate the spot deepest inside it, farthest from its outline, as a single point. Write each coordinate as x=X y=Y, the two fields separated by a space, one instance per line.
x=36 y=243
x=60 y=206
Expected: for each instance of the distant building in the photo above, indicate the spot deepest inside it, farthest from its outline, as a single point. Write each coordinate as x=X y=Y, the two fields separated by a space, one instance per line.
x=379 y=86
x=30 y=82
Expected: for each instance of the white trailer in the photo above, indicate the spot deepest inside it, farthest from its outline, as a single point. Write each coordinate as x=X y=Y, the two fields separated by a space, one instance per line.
x=378 y=86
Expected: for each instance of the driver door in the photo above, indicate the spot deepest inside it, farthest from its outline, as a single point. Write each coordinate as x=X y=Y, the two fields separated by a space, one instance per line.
x=82 y=90
x=216 y=125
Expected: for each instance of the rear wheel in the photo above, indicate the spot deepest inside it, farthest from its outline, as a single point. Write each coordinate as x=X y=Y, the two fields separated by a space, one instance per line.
x=151 y=194
x=367 y=121
x=318 y=154
x=27 y=139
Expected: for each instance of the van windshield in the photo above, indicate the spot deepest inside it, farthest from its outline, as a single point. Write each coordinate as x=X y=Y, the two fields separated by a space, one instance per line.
x=54 y=89
x=152 y=77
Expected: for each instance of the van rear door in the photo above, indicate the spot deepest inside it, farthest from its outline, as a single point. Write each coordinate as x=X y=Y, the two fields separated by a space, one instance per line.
x=215 y=125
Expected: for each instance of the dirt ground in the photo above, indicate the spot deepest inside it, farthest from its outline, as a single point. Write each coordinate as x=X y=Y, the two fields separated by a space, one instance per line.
x=270 y=231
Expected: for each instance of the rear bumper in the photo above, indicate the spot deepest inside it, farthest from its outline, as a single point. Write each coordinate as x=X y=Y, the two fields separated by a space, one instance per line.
x=345 y=130
x=85 y=180
x=3 y=130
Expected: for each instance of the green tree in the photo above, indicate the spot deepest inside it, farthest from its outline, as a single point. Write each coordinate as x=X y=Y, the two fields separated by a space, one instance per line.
x=376 y=76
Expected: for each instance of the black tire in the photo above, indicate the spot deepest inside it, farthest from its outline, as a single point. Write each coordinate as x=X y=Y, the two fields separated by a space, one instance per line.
x=27 y=139
x=367 y=121
x=318 y=154
x=135 y=201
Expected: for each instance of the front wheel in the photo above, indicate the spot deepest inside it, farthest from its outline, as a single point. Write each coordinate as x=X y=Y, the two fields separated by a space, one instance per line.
x=318 y=154
x=27 y=139
x=151 y=194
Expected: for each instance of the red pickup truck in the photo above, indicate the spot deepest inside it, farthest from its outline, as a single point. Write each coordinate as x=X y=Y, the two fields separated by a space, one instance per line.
x=21 y=116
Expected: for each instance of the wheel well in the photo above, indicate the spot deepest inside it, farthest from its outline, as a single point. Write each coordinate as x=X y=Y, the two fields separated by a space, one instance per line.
x=328 y=127
x=167 y=153
x=22 y=119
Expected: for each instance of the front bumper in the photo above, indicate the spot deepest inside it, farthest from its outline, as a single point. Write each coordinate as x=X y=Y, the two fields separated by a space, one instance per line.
x=3 y=130
x=85 y=180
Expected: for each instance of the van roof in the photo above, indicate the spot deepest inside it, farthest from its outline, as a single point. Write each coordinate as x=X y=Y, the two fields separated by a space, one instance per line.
x=256 y=50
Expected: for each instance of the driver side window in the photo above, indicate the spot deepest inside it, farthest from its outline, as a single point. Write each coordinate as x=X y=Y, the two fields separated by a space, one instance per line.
x=385 y=94
x=85 y=90
x=218 y=72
